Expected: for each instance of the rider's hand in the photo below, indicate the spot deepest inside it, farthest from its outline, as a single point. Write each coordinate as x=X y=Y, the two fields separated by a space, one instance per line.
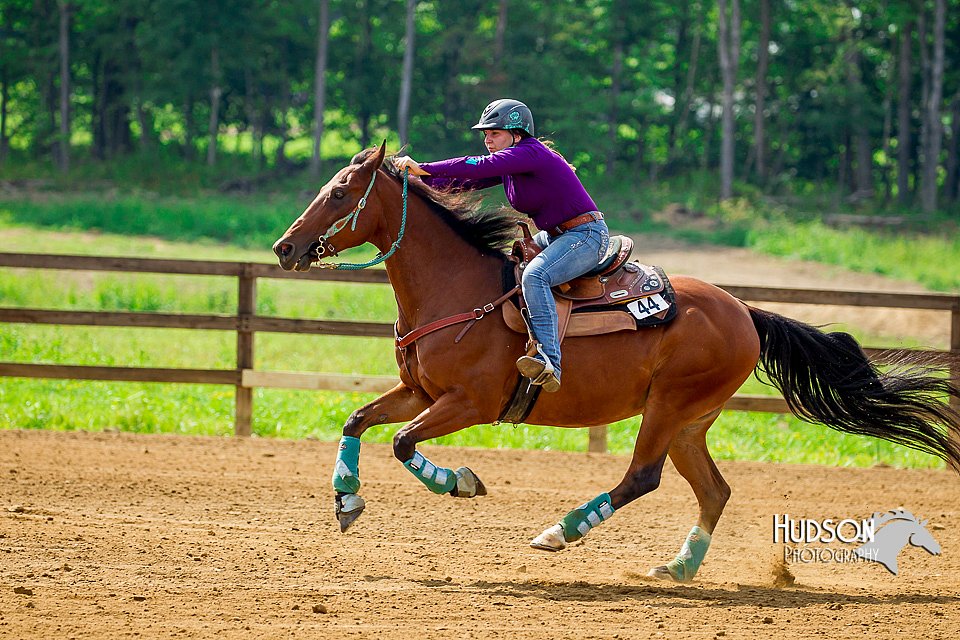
x=406 y=162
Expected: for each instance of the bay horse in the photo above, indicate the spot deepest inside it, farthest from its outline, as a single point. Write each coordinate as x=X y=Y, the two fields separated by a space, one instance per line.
x=444 y=257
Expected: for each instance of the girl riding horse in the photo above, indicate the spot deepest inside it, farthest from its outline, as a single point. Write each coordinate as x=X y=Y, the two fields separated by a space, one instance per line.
x=541 y=184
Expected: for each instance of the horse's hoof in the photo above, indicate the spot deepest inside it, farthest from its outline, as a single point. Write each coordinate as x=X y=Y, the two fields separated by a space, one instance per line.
x=550 y=540
x=662 y=573
x=348 y=507
x=468 y=484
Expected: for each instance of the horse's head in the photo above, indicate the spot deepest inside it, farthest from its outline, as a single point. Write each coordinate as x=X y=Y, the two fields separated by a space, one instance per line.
x=334 y=221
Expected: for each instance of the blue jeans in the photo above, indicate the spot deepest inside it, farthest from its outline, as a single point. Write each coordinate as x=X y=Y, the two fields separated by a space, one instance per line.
x=563 y=258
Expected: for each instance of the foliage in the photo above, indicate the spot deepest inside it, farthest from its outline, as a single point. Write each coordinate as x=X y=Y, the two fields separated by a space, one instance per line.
x=629 y=88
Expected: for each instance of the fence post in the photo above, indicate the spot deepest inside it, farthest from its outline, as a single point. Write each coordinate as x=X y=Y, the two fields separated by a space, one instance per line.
x=246 y=308
x=598 y=439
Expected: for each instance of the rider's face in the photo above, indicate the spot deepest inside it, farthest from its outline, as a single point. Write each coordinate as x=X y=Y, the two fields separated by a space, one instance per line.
x=497 y=139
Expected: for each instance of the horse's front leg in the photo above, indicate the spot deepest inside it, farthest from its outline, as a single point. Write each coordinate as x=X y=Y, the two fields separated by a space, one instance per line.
x=400 y=404
x=452 y=412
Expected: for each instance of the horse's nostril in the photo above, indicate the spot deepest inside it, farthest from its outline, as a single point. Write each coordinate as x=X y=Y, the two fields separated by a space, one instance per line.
x=286 y=248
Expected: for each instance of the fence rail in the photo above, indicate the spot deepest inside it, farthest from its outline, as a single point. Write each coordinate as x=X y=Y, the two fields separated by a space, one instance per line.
x=246 y=323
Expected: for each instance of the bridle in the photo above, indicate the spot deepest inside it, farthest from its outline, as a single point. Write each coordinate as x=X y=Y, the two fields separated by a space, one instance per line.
x=324 y=246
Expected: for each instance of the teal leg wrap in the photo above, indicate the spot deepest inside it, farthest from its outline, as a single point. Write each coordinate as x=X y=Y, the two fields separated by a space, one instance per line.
x=684 y=567
x=437 y=479
x=346 y=472
x=578 y=522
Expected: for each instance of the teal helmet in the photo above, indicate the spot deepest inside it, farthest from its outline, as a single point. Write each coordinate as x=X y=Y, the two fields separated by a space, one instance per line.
x=506 y=114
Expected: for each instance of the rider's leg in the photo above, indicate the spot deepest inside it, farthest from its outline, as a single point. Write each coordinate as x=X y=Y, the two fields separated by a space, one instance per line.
x=565 y=257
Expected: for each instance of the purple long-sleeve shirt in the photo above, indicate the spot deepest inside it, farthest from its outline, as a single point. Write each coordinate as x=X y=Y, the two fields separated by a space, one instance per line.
x=537 y=181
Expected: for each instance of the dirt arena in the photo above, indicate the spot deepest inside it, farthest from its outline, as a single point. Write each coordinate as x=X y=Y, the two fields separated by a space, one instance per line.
x=123 y=536
x=117 y=535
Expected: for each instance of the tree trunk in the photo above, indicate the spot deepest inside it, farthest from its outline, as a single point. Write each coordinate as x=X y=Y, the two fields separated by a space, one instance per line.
x=497 y=80
x=934 y=129
x=4 y=100
x=680 y=50
x=903 y=116
x=616 y=83
x=63 y=146
x=683 y=105
x=320 y=85
x=953 y=162
x=280 y=160
x=189 y=151
x=710 y=126
x=922 y=38
x=360 y=70
x=863 y=176
x=729 y=50
x=213 y=127
x=498 y=37
x=886 y=135
x=763 y=59
x=406 y=82
x=146 y=127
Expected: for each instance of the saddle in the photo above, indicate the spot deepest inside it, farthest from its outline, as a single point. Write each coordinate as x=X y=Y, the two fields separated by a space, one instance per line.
x=614 y=296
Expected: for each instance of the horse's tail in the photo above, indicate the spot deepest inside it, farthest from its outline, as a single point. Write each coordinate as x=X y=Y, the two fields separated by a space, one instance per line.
x=826 y=378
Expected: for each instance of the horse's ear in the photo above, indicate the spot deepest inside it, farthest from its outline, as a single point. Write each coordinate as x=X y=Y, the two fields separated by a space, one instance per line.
x=381 y=153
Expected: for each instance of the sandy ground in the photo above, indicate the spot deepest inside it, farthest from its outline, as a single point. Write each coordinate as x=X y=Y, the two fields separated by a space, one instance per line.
x=125 y=536
x=118 y=535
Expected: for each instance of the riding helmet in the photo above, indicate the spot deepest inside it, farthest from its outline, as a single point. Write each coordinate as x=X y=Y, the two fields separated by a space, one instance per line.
x=506 y=114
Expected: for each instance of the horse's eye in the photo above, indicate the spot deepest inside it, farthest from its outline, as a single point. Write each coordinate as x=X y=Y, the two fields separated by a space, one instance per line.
x=338 y=194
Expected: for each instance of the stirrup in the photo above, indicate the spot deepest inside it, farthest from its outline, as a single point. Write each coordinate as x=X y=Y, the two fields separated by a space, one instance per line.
x=540 y=372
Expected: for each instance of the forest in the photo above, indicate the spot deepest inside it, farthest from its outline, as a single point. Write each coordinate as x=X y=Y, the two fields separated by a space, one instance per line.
x=789 y=98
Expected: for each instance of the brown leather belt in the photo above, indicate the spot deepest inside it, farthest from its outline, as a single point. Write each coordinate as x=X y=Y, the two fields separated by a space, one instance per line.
x=576 y=222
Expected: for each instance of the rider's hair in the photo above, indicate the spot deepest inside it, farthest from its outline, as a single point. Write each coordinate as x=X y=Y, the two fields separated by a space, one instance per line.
x=545 y=142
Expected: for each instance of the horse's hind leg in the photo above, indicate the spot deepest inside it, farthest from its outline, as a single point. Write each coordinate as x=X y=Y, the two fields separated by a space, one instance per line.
x=689 y=454
x=643 y=476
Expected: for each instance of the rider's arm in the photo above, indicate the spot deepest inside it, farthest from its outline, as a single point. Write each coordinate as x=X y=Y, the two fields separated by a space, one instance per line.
x=502 y=163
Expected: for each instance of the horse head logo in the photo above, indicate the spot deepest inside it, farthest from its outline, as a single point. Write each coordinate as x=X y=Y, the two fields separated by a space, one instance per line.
x=899 y=527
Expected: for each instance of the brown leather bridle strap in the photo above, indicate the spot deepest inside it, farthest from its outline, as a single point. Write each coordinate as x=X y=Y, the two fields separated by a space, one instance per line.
x=470 y=316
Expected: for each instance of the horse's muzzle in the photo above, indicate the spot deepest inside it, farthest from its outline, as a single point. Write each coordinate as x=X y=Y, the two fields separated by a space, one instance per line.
x=287 y=253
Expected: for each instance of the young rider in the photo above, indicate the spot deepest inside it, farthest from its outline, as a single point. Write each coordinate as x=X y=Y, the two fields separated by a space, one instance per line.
x=540 y=183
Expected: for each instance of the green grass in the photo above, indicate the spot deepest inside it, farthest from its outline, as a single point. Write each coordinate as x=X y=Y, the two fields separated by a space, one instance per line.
x=933 y=260
x=208 y=409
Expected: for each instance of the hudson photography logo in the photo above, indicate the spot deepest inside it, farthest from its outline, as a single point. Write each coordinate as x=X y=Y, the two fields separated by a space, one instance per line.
x=879 y=538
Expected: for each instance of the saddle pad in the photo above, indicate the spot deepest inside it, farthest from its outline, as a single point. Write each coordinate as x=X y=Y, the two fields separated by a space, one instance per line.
x=648 y=311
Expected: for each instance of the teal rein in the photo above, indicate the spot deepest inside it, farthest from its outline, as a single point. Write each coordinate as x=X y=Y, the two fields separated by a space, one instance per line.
x=354 y=216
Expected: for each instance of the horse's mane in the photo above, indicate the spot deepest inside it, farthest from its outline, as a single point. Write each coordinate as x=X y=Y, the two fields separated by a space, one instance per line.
x=492 y=231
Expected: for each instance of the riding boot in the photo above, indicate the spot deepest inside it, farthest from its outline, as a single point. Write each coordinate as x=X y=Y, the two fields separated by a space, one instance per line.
x=540 y=370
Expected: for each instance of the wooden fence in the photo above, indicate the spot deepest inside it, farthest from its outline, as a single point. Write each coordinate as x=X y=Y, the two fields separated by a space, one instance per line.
x=246 y=323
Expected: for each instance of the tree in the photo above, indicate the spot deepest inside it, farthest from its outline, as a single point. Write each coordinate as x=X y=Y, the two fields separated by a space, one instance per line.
x=728 y=44
x=903 y=114
x=951 y=192
x=763 y=59
x=216 y=91
x=63 y=144
x=320 y=85
x=406 y=81
x=856 y=95
x=617 y=37
x=933 y=129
